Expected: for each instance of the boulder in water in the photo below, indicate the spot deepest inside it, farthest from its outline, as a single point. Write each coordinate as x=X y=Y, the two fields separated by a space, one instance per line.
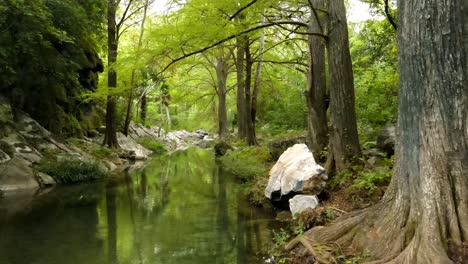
x=295 y=172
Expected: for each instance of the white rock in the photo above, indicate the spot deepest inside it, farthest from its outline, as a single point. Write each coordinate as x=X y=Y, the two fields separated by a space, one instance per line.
x=128 y=144
x=299 y=203
x=295 y=171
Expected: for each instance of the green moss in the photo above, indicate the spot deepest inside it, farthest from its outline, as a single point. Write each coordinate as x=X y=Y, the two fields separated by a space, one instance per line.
x=247 y=163
x=95 y=150
x=70 y=171
x=153 y=145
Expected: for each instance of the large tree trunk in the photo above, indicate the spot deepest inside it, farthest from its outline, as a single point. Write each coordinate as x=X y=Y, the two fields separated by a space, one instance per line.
x=221 y=75
x=250 y=128
x=110 y=136
x=423 y=217
x=316 y=92
x=344 y=141
x=240 y=98
x=143 y=108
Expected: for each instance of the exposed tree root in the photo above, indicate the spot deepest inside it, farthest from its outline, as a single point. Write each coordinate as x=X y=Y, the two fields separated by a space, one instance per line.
x=389 y=238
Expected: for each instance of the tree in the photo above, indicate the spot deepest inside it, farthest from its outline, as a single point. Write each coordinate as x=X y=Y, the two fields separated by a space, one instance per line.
x=344 y=141
x=114 y=32
x=423 y=216
x=316 y=91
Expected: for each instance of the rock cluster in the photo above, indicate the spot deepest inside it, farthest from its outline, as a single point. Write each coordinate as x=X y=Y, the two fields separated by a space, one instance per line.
x=296 y=172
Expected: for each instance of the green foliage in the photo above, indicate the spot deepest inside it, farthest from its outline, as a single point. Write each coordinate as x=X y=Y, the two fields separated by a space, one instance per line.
x=70 y=171
x=152 y=144
x=48 y=56
x=370 y=180
x=374 y=52
x=247 y=163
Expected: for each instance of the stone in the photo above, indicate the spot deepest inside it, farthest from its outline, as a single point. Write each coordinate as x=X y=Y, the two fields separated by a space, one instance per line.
x=277 y=147
x=4 y=157
x=130 y=145
x=44 y=180
x=17 y=174
x=295 y=172
x=6 y=113
x=299 y=203
x=386 y=140
x=221 y=148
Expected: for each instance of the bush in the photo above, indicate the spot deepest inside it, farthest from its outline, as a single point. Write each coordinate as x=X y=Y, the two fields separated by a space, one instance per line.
x=95 y=150
x=153 y=145
x=70 y=171
x=247 y=163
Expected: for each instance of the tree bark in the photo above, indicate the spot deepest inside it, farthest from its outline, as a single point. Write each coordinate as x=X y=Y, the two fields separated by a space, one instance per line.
x=316 y=92
x=250 y=128
x=221 y=75
x=110 y=135
x=258 y=76
x=344 y=141
x=423 y=216
x=240 y=97
x=143 y=106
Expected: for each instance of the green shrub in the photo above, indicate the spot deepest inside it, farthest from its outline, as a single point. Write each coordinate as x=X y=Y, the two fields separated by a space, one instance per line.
x=97 y=151
x=153 y=145
x=70 y=171
x=369 y=181
x=247 y=163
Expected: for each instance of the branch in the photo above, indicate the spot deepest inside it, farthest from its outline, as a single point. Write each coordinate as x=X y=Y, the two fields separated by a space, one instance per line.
x=389 y=16
x=242 y=9
x=284 y=62
x=275 y=23
x=124 y=14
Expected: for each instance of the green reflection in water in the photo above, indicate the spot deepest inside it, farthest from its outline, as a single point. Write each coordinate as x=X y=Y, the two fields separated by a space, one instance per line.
x=179 y=209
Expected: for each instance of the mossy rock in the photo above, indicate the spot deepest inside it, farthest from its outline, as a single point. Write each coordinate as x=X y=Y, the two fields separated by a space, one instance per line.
x=221 y=148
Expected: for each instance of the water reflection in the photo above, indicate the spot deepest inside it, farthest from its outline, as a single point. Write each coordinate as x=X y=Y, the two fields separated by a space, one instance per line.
x=181 y=209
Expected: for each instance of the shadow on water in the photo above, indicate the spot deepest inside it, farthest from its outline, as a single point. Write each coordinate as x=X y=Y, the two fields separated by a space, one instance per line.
x=178 y=209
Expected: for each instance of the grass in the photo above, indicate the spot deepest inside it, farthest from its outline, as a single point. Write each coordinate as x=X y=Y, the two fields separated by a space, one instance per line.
x=248 y=163
x=153 y=145
x=97 y=151
x=69 y=171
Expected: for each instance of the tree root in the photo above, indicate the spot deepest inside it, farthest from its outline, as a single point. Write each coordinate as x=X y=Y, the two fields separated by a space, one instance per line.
x=390 y=239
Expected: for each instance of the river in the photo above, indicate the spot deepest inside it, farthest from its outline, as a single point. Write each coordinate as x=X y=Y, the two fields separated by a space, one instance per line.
x=179 y=209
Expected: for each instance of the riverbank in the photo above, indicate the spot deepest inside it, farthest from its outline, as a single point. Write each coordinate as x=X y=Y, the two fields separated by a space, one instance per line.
x=32 y=158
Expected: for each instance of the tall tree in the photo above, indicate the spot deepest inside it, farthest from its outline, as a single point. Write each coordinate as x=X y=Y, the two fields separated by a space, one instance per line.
x=344 y=141
x=114 y=31
x=423 y=216
x=316 y=92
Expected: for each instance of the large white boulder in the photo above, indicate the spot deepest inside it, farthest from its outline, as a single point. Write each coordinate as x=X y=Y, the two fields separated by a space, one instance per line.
x=130 y=145
x=299 y=203
x=295 y=172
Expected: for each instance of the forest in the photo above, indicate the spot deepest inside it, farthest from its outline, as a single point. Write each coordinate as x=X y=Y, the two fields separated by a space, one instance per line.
x=233 y=131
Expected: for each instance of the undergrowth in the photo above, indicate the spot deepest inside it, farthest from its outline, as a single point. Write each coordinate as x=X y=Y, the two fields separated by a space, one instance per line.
x=152 y=144
x=70 y=171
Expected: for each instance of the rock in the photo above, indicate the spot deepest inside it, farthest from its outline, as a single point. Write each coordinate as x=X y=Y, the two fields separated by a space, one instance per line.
x=115 y=159
x=300 y=203
x=130 y=145
x=295 y=172
x=221 y=148
x=44 y=180
x=6 y=113
x=4 y=157
x=386 y=140
x=109 y=165
x=17 y=174
x=277 y=147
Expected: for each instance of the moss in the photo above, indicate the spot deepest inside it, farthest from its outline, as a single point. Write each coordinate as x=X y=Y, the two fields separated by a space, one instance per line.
x=153 y=145
x=70 y=171
x=97 y=151
x=247 y=163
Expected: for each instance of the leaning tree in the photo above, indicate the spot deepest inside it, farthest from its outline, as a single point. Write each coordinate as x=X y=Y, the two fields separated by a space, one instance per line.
x=423 y=216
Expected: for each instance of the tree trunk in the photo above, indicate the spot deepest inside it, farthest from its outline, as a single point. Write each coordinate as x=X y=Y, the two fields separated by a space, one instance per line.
x=221 y=75
x=344 y=141
x=316 y=92
x=128 y=115
x=240 y=98
x=249 y=128
x=143 y=106
x=258 y=76
x=423 y=217
x=110 y=136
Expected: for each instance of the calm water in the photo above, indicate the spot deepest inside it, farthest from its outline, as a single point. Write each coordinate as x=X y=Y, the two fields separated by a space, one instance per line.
x=181 y=209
